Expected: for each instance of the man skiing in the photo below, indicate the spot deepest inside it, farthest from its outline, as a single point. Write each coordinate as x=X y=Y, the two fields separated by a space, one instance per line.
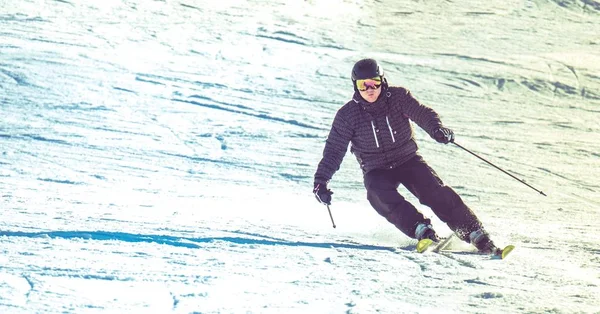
x=376 y=124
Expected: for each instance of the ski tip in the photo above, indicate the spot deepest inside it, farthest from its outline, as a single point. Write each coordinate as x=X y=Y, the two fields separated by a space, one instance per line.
x=423 y=244
x=507 y=251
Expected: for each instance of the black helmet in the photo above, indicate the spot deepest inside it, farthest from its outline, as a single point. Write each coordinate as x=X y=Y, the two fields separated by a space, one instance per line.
x=367 y=68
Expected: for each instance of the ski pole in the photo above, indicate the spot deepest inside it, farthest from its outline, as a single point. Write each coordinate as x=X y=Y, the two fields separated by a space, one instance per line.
x=330 y=216
x=470 y=152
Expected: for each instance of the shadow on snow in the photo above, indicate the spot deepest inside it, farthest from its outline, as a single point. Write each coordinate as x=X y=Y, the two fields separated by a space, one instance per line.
x=188 y=242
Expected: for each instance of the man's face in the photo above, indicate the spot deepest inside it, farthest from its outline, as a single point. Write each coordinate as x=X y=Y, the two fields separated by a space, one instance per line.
x=369 y=89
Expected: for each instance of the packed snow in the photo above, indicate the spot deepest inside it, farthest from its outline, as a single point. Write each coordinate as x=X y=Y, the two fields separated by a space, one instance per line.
x=158 y=156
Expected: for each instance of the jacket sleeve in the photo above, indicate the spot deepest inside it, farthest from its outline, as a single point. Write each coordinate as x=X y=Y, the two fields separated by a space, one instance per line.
x=423 y=116
x=335 y=149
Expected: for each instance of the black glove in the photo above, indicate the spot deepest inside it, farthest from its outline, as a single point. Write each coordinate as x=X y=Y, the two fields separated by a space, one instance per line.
x=322 y=193
x=443 y=135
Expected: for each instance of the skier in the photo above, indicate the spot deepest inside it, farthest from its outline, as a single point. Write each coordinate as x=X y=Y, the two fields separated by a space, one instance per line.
x=376 y=123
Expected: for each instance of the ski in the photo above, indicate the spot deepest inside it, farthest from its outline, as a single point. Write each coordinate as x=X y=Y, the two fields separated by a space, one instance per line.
x=505 y=251
x=428 y=245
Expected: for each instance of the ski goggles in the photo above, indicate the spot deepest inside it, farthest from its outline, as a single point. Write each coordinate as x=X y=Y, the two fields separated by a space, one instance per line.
x=370 y=83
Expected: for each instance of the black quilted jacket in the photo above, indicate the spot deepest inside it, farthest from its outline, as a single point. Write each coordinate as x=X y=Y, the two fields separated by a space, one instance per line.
x=380 y=132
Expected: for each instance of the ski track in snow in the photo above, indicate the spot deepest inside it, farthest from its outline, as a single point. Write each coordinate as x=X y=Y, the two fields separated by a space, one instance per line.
x=158 y=156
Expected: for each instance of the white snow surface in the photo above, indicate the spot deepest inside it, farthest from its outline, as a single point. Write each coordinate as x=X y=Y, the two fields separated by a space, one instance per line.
x=158 y=156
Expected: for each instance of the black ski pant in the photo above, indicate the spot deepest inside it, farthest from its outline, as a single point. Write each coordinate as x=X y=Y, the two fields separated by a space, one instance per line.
x=382 y=192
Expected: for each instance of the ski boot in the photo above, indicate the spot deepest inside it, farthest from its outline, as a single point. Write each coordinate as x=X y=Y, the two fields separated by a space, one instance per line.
x=426 y=236
x=425 y=231
x=481 y=240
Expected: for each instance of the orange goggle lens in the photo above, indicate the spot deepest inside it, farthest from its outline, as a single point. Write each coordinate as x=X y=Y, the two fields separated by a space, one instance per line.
x=371 y=83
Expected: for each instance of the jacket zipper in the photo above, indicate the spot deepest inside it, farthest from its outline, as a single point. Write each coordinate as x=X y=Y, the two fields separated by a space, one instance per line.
x=375 y=134
x=390 y=127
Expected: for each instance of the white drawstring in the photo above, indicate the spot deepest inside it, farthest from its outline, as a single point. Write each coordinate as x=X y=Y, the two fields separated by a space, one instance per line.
x=390 y=127
x=374 y=133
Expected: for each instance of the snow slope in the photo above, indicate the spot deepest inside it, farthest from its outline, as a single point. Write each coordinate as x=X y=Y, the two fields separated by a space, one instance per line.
x=157 y=156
